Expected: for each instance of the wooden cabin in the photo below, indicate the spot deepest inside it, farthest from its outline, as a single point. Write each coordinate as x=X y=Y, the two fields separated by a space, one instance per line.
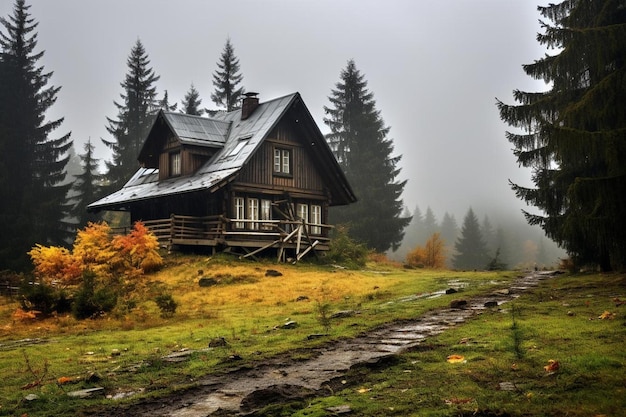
x=254 y=179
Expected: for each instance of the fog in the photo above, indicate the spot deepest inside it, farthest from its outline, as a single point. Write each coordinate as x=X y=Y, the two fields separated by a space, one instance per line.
x=435 y=68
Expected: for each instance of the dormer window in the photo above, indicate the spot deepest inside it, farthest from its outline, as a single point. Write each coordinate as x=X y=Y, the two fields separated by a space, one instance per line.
x=282 y=161
x=175 y=164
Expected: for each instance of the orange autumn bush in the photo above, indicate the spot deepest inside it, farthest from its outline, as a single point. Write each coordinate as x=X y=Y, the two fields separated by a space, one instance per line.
x=96 y=251
x=431 y=255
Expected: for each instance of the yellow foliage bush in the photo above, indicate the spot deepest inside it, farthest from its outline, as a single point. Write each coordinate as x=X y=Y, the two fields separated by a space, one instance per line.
x=55 y=264
x=432 y=255
x=95 y=250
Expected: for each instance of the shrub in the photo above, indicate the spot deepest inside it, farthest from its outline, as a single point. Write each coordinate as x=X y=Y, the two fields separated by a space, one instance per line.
x=166 y=304
x=89 y=301
x=344 y=250
x=431 y=255
x=38 y=296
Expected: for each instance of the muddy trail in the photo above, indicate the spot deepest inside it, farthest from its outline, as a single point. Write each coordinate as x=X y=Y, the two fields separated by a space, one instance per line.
x=243 y=391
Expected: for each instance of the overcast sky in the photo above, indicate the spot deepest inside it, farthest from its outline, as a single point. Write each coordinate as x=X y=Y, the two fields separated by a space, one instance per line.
x=435 y=68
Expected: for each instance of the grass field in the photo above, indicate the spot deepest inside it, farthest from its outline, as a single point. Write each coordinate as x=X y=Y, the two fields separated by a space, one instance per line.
x=124 y=352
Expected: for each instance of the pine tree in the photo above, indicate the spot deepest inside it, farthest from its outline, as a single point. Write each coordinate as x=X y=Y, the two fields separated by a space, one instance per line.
x=471 y=252
x=486 y=229
x=33 y=199
x=430 y=225
x=226 y=80
x=573 y=136
x=86 y=187
x=410 y=239
x=449 y=229
x=191 y=102
x=359 y=141
x=134 y=117
x=164 y=103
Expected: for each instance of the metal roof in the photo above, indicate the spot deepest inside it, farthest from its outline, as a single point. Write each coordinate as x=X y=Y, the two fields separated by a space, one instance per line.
x=238 y=140
x=197 y=130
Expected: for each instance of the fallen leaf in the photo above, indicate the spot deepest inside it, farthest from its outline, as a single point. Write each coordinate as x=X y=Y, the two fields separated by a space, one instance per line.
x=64 y=380
x=364 y=390
x=456 y=359
x=552 y=366
x=607 y=315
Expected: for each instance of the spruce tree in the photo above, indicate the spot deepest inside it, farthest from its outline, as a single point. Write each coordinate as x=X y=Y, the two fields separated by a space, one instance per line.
x=573 y=136
x=226 y=80
x=488 y=235
x=191 y=102
x=471 y=252
x=134 y=118
x=359 y=141
x=33 y=199
x=430 y=225
x=449 y=229
x=164 y=103
x=411 y=236
x=86 y=187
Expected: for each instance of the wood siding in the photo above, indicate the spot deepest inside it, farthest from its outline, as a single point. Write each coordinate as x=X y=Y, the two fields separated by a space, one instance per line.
x=259 y=171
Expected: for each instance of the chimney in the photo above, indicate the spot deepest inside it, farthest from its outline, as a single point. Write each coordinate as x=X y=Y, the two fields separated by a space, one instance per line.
x=250 y=102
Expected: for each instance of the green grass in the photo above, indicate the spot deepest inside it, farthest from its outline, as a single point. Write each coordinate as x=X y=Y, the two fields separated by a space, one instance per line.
x=246 y=307
x=508 y=349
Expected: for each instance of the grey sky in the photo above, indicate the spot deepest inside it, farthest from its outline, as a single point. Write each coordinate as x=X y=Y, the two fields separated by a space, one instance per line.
x=435 y=68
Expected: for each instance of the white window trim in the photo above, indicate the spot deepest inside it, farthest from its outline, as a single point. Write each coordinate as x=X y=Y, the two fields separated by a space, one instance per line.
x=316 y=219
x=240 y=213
x=253 y=213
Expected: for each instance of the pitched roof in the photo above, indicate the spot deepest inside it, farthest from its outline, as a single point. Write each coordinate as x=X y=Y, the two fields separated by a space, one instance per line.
x=236 y=139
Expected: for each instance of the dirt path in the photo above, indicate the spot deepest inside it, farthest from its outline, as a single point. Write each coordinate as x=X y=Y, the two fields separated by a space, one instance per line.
x=243 y=391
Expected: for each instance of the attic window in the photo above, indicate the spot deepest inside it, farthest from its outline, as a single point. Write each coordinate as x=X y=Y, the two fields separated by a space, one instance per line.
x=282 y=161
x=175 y=164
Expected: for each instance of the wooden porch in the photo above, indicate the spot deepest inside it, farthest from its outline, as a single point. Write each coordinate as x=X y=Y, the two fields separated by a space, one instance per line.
x=291 y=239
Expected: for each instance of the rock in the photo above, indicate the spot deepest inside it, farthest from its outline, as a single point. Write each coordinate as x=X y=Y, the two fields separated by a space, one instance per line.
x=289 y=325
x=116 y=352
x=451 y=291
x=207 y=282
x=218 y=342
x=31 y=397
x=86 y=393
x=339 y=409
x=273 y=273
x=92 y=377
x=507 y=386
x=571 y=313
x=490 y=304
x=343 y=314
x=458 y=304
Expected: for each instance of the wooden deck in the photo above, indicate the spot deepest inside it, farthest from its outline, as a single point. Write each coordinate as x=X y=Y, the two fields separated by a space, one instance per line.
x=289 y=238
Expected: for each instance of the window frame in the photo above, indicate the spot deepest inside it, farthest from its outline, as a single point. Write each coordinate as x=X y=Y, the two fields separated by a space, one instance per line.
x=282 y=161
x=239 y=206
x=265 y=213
x=175 y=164
x=253 y=213
x=316 y=219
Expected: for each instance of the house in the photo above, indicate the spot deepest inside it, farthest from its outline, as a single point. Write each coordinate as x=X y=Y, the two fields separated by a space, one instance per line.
x=254 y=179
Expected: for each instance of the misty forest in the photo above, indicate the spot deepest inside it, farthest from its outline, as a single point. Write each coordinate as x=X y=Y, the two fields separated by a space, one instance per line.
x=571 y=137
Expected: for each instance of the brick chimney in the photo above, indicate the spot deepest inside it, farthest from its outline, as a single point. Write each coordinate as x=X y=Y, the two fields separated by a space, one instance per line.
x=250 y=102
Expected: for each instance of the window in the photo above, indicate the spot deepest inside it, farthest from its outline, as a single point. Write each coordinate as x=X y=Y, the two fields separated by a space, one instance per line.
x=282 y=161
x=253 y=212
x=316 y=219
x=303 y=212
x=239 y=212
x=175 y=164
x=266 y=212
